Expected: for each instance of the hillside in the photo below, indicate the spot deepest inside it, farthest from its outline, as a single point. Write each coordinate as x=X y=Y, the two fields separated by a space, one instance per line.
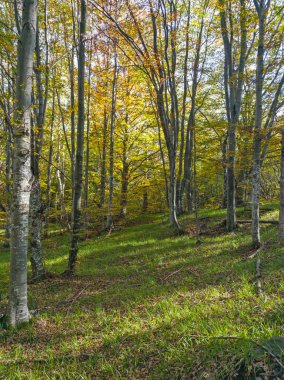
x=145 y=304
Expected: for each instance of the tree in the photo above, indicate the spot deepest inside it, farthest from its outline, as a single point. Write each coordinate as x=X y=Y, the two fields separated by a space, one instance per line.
x=233 y=83
x=281 y=206
x=262 y=8
x=78 y=178
x=42 y=86
x=109 y=221
x=22 y=178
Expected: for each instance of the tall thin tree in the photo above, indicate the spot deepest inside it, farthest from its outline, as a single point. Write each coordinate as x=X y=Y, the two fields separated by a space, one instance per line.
x=78 y=177
x=22 y=177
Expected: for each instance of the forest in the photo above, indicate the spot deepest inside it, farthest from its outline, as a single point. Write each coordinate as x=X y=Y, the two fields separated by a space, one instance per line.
x=141 y=189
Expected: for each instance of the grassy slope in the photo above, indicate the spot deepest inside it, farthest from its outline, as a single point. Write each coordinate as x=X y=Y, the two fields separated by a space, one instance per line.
x=136 y=320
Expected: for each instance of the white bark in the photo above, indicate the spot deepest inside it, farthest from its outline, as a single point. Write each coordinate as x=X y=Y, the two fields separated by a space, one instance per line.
x=18 y=306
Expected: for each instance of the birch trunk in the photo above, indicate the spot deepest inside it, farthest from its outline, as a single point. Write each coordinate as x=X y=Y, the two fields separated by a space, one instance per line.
x=22 y=178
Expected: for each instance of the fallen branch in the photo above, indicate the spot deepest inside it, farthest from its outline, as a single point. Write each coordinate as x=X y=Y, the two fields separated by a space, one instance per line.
x=260 y=249
x=176 y=272
x=256 y=252
x=75 y=298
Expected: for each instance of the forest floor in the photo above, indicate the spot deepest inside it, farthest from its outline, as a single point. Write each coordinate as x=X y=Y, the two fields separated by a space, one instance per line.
x=149 y=305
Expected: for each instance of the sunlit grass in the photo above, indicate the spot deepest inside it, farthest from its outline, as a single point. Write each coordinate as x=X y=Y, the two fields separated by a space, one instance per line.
x=150 y=306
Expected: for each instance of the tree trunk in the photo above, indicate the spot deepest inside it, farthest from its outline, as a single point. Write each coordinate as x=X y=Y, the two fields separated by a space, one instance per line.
x=195 y=191
x=233 y=82
x=36 y=256
x=18 y=300
x=103 y=167
x=76 y=209
x=37 y=263
x=231 y=185
x=257 y=130
x=109 y=221
x=281 y=205
x=61 y=185
x=8 y=186
x=49 y=171
x=87 y=156
x=145 y=200
x=172 y=194
x=124 y=187
x=186 y=186
x=225 y=180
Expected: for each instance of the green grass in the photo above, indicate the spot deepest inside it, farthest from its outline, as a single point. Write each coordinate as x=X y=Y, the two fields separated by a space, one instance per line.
x=149 y=305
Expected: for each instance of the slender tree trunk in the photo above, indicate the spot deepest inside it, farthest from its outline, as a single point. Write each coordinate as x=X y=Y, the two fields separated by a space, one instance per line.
x=109 y=221
x=195 y=191
x=281 y=205
x=103 y=167
x=257 y=129
x=231 y=184
x=233 y=82
x=35 y=217
x=172 y=193
x=164 y=163
x=145 y=200
x=36 y=257
x=186 y=185
x=87 y=156
x=76 y=209
x=225 y=180
x=60 y=164
x=18 y=300
x=49 y=171
x=73 y=135
x=8 y=186
x=180 y=180
x=124 y=187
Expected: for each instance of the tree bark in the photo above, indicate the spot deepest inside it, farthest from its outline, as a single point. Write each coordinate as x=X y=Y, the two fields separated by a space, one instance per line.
x=233 y=83
x=261 y=11
x=8 y=184
x=224 y=164
x=124 y=187
x=104 y=154
x=109 y=220
x=87 y=156
x=281 y=205
x=49 y=170
x=78 y=178
x=36 y=256
x=22 y=178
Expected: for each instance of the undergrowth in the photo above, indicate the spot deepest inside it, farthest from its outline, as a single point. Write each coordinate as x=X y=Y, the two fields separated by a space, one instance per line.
x=146 y=304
